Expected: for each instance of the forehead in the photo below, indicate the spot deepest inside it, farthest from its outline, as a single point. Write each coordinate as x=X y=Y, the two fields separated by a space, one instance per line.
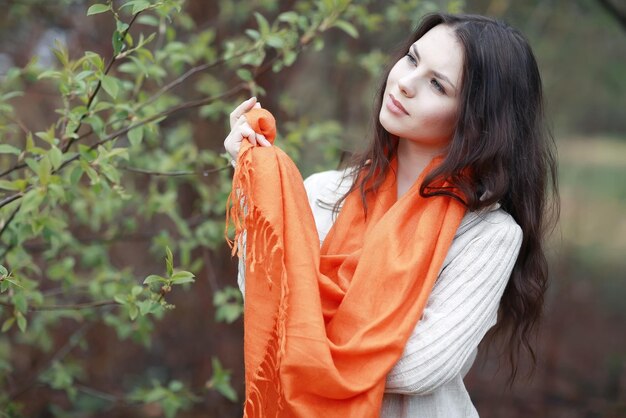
x=440 y=49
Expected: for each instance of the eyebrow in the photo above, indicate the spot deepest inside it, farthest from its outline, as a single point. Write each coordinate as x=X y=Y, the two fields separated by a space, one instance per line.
x=436 y=73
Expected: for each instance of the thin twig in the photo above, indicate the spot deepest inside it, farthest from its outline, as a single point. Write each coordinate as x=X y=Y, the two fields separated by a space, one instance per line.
x=4 y=228
x=11 y=198
x=71 y=342
x=174 y=173
x=86 y=305
x=188 y=74
x=92 y=97
x=165 y=113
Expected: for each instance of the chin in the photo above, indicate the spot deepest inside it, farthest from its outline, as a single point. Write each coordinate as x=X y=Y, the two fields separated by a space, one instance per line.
x=390 y=126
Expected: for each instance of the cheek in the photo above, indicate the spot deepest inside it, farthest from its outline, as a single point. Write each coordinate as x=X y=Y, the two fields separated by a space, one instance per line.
x=394 y=74
x=437 y=122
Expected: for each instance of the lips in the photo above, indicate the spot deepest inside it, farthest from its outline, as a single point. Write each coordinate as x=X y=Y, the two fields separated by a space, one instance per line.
x=398 y=104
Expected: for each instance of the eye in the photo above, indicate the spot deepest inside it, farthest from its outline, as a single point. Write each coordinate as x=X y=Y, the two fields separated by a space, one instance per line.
x=411 y=59
x=437 y=86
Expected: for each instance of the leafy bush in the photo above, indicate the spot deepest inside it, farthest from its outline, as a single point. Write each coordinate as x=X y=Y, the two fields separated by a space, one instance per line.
x=130 y=170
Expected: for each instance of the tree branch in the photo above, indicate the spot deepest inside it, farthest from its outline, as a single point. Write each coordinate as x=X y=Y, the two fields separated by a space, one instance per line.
x=92 y=97
x=611 y=9
x=71 y=342
x=175 y=173
x=86 y=305
x=165 y=113
x=4 y=228
x=188 y=74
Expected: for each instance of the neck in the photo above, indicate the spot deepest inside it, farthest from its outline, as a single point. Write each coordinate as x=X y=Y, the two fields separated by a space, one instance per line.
x=412 y=159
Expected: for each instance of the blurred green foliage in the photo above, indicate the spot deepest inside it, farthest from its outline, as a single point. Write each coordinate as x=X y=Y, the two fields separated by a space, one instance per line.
x=101 y=198
x=111 y=164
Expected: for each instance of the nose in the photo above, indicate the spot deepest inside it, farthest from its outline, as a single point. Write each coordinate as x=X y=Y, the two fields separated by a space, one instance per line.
x=406 y=85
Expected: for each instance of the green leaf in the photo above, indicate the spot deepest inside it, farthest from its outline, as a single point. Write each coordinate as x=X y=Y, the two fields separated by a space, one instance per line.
x=49 y=74
x=110 y=173
x=48 y=135
x=93 y=174
x=120 y=299
x=140 y=6
x=228 y=313
x=118 y=42
x=9 y=185
x=153 y=278
x=76 y=174
x=109 y=84
x=20 y=302
x=290 y=17
x=253 y=34
x=6 y=279
x=3 y=271
x=32 y=164
x=56 y=157
x=169 y=261
x=148 y=20
x=8 y=324
x=120 y=25
x=275 y=41
x=149 y=307
x=290 y=57
x=264 y=27
x=136 y=290
x=98 y=8
x=135 y=136
x=181 y=277
x=220 y=380
x=10 y=95
x=133 y=312
x=9 y=149
x=31 y=201
x=244 y=74
x=347 y=28
x=44 y=170
x=21 y=322
x=175 y=386
x=118 y=152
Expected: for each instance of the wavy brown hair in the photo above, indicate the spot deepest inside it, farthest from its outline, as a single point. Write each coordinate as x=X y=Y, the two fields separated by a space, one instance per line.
x=502 y=145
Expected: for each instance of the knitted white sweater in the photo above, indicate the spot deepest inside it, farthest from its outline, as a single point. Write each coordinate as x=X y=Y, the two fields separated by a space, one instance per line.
x=427 y=381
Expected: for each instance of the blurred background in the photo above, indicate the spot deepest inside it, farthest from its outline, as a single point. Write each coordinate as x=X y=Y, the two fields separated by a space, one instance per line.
x=323 y=103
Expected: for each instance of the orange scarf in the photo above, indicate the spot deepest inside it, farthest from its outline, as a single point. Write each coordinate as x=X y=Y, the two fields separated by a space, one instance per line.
x=323 y=327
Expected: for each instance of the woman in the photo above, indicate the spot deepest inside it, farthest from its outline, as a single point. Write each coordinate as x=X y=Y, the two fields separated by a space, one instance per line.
x=460 y=117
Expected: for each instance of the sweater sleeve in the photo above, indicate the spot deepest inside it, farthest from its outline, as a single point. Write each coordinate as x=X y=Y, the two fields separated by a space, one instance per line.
x=460 y=310
x=241 y=271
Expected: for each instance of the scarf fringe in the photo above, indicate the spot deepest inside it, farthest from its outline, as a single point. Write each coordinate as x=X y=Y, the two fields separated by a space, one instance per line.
x=264 y=247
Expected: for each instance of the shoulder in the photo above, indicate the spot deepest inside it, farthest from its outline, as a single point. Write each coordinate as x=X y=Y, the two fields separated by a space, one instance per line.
x=488 y=221
x=489 y=233
x=328 y=185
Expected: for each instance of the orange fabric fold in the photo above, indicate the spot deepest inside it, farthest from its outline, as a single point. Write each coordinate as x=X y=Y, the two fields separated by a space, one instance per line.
x=324 y=326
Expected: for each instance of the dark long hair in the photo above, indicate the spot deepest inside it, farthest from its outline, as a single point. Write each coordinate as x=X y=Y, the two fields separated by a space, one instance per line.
x=502 y=145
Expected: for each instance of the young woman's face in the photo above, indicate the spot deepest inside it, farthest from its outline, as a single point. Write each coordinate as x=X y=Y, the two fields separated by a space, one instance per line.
x=422 y=92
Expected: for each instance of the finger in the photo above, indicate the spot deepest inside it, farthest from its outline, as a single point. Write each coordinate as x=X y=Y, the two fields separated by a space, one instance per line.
x=263 y=141
x=257 y=105
x=249 y=134
x=244 y=107
x=240 y=122
x=241 y=109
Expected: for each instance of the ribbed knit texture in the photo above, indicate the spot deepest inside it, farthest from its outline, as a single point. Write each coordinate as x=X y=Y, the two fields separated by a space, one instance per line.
x=427 y=381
